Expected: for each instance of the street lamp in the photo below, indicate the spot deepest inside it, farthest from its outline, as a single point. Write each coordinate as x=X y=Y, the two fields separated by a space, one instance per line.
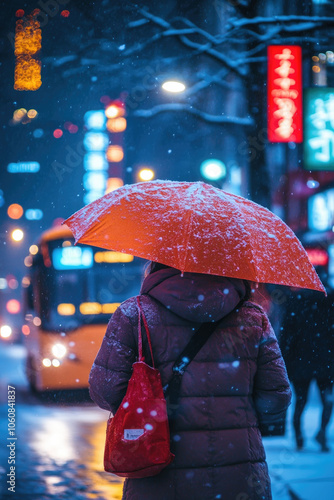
x=173 y=86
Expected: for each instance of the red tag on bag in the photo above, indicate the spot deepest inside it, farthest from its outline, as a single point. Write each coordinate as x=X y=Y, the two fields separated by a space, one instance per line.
x=138 y=441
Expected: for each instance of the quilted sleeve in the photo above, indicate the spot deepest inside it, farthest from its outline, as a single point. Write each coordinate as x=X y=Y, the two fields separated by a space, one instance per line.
x=112 y=368
x=272 y=392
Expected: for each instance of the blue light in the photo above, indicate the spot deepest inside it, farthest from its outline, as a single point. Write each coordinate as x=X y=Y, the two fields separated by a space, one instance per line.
x=213 y=170
x=72 y=258
x=38 y=133
x=95 y=161
x=95 y=120
x=92 y=196
x=95 y=181
x=34 y=214
x=96 y=141
x=23 y=167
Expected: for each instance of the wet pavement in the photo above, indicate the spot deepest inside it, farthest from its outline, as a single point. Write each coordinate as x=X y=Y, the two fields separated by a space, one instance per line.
x=60 y=440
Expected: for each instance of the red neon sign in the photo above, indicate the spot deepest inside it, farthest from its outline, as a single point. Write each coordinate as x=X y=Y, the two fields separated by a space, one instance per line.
x=317 y=256
x=285 y=93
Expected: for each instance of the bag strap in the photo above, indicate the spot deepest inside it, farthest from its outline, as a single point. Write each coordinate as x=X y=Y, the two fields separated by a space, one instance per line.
x=197 y=341
x=141 y=317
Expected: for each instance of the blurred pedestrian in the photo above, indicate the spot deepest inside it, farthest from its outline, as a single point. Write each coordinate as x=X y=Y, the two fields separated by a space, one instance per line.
x=235 y=386
x=307 y=343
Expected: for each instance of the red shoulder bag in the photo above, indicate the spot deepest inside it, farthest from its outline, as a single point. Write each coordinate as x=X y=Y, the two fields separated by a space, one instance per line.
x=138 y=441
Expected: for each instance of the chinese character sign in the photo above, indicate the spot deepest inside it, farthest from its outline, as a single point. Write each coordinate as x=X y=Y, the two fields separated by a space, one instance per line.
x=285 y=93
x=319 y=129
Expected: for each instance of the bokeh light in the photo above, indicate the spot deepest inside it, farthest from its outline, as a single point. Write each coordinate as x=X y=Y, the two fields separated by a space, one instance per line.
x=3 y=283
x=73 y=129
x=114 y=110
x=213 y=169
x=15 y=211
x=105 y=99
x=116 y=124
x=146 y=174
x=113 y=183
x=115 y=154
x=19 y=114
x=25 y=282
x=32 y=113
x=65 y=13
x=17 y=235
x=37 y=133
x=5 y=331
x=25 y=330
x=37 y=321
x=33 y=249
x=57 y=133
x=19 y=13
x=12 y=283
x=13 y=306
x=28 y=261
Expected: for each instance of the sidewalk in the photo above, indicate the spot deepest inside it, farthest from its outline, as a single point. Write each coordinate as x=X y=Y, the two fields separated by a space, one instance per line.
x=307 y=474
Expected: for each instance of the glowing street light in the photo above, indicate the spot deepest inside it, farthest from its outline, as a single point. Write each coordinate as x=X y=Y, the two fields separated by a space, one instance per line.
x=173 y=86
x=17 y=235
x=146 y=174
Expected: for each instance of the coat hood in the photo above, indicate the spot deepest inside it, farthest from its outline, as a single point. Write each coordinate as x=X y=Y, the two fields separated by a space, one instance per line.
x=193 y=296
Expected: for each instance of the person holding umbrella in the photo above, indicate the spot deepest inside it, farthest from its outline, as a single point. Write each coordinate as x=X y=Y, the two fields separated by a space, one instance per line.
x=206 y=246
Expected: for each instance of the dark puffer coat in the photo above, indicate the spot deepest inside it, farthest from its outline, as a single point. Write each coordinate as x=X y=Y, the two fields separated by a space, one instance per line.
x=235 y=384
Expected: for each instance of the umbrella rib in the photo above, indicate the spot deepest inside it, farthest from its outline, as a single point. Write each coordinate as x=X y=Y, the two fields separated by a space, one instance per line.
x=240 y=215
x=187 y=233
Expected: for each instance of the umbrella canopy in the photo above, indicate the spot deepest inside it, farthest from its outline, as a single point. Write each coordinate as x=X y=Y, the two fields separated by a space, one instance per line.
x=195 y=227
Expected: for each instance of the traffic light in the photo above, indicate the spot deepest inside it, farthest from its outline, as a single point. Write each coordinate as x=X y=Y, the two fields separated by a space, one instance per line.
x=213 y=170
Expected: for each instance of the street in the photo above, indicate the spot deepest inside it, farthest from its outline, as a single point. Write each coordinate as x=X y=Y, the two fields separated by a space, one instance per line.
x=60 y=443
x=59 y=448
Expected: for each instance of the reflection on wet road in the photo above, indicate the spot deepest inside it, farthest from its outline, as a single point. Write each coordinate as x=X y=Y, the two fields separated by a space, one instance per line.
x=59 y=452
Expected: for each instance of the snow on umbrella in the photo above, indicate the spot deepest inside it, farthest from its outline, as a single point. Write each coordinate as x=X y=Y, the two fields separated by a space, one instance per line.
x=195 y=227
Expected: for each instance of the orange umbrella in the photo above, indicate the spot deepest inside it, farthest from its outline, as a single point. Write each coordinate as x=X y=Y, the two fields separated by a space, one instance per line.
x=195 y=227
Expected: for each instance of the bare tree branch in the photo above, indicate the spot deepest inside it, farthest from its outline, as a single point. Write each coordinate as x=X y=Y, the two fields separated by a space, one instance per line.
x=148 y=113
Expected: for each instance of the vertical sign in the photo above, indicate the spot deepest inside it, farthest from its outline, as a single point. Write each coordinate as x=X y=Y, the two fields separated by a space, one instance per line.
x=319 y=129
x=285 y=93
x=28 y=43
x=116 y=125
x=95 y=163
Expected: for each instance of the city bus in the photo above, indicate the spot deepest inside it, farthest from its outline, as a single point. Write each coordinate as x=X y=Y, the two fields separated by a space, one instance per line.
x=73 y=290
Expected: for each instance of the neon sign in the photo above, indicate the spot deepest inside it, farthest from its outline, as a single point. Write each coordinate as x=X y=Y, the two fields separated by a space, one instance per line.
x=321 y=211
x=23 y=167
x=28 y=43
x=72 y=258
x=319 y=129
x=285 y=93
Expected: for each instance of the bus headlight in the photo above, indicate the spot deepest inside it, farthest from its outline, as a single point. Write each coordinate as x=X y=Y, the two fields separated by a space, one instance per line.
x=59 y=350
